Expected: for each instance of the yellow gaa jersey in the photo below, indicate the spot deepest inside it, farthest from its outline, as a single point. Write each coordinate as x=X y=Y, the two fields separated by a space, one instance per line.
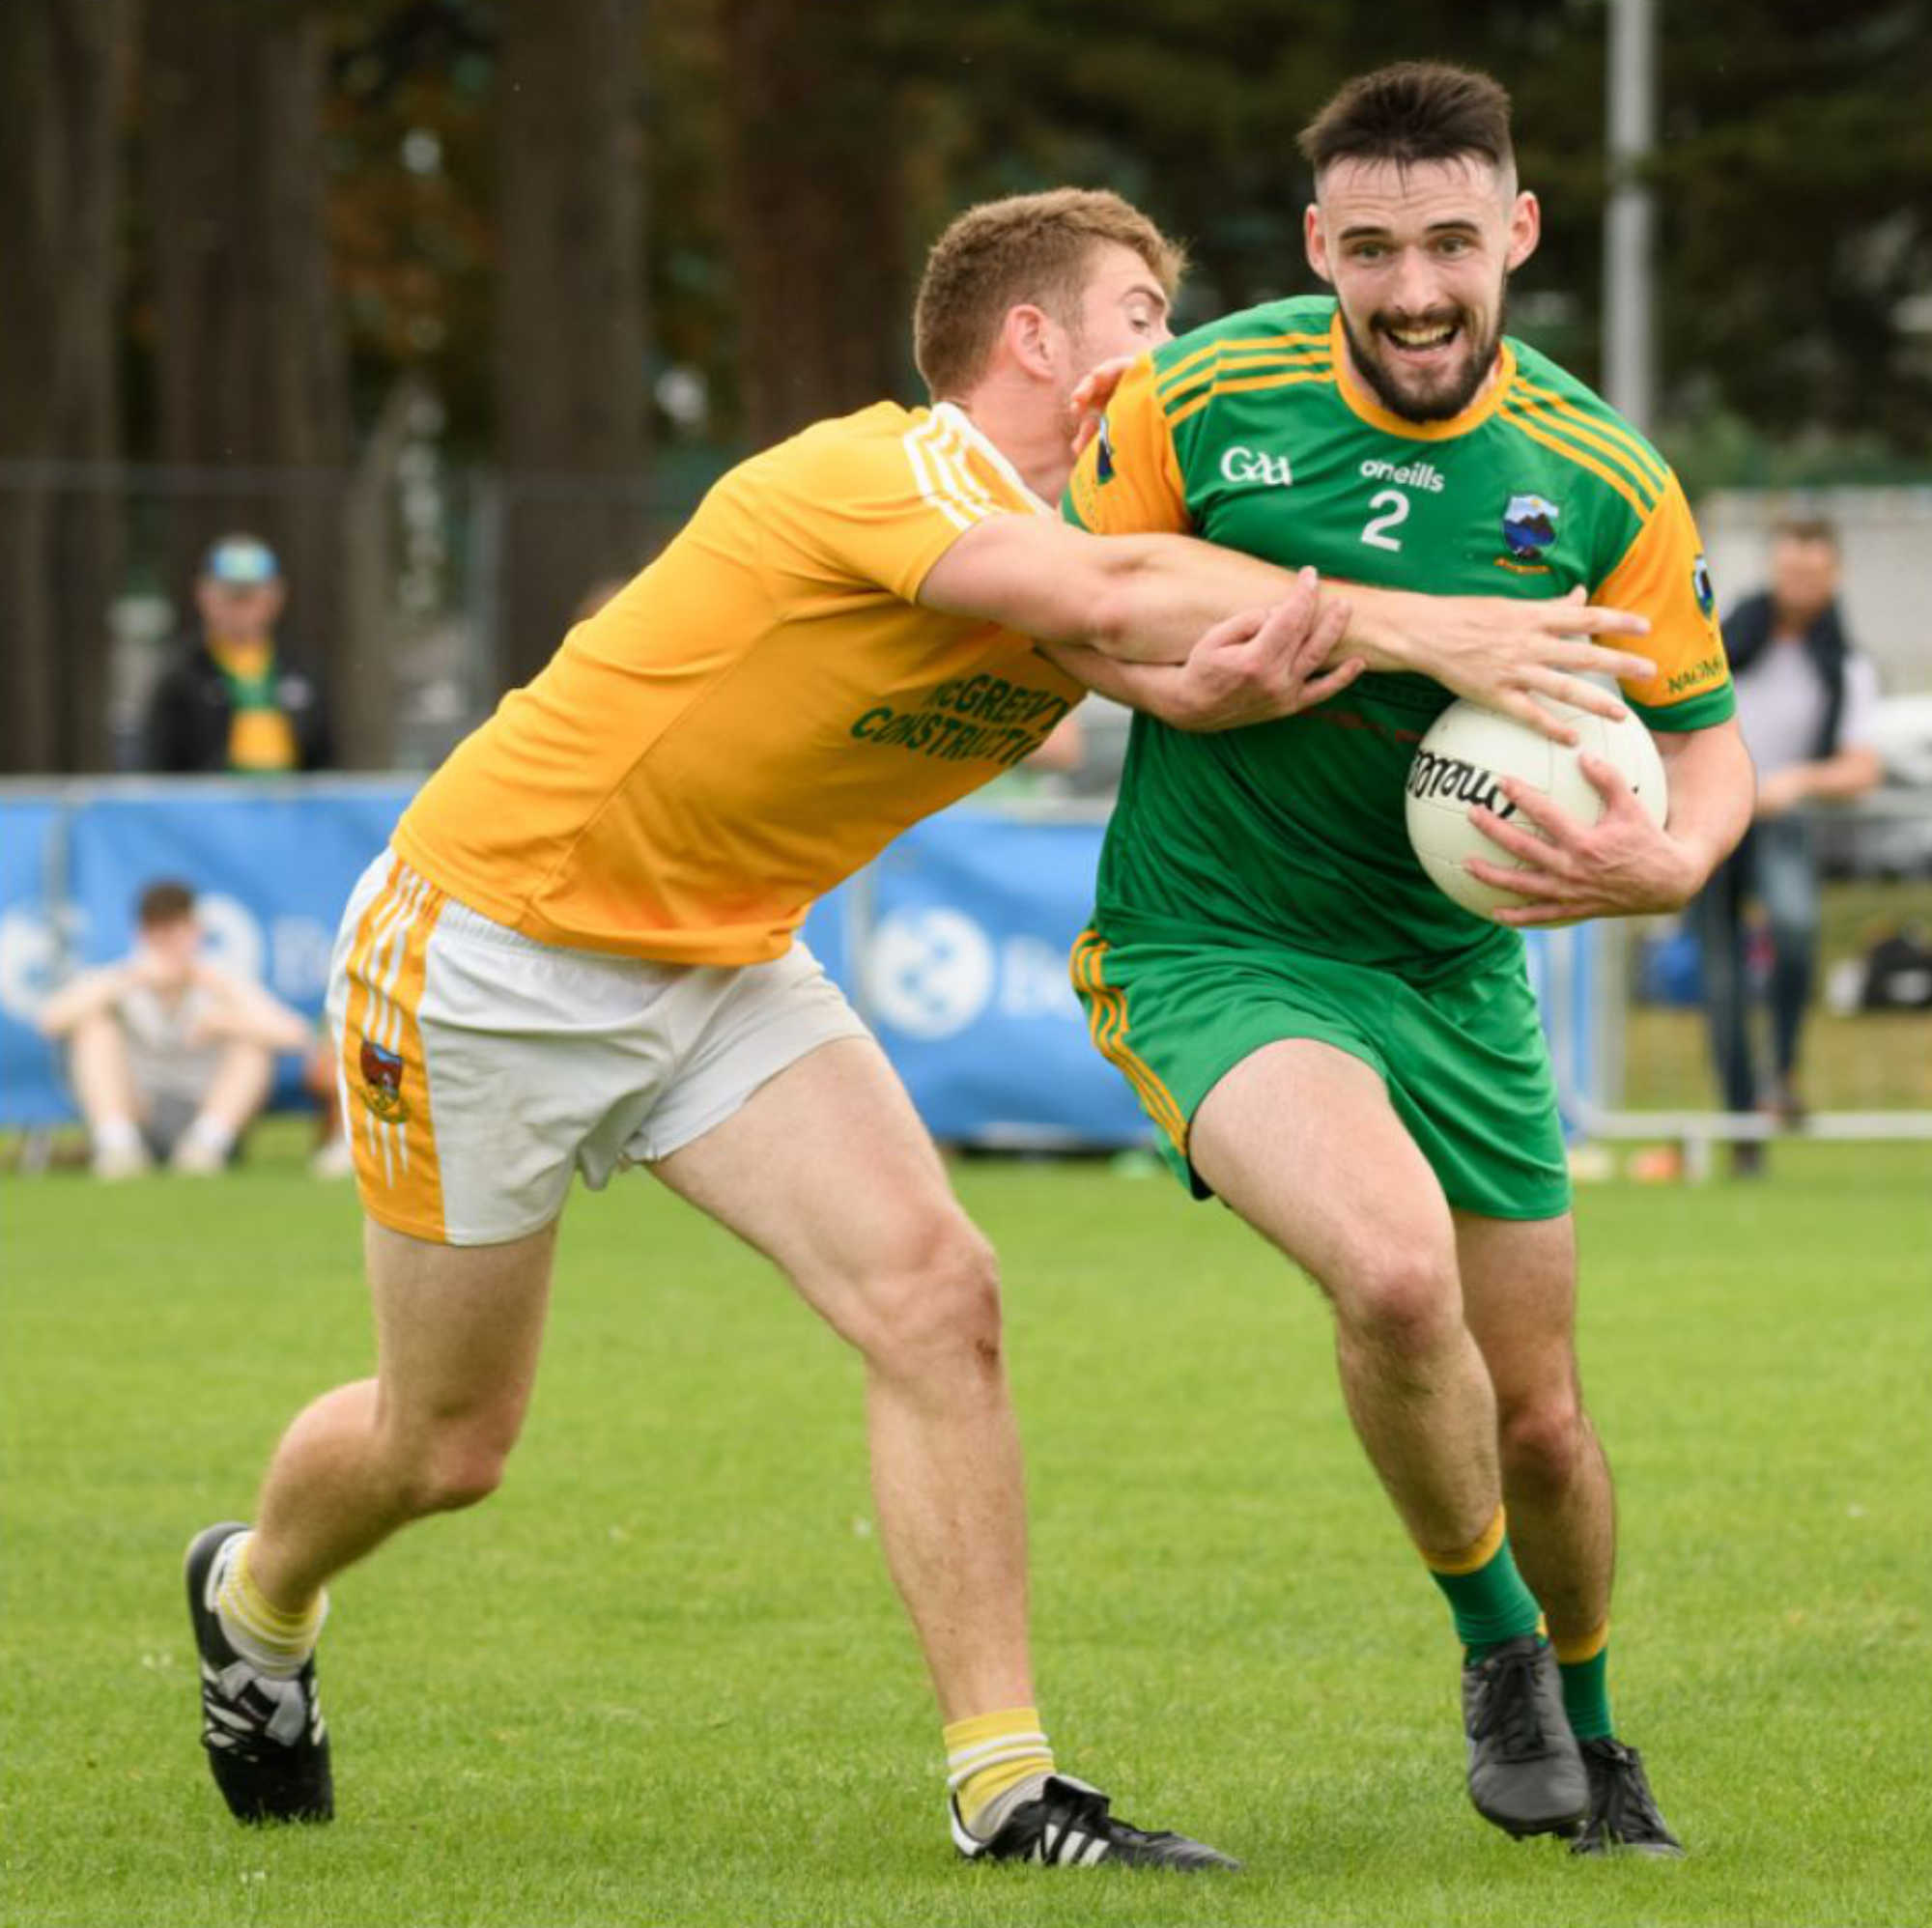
x=755 y=714
x=1255 y=433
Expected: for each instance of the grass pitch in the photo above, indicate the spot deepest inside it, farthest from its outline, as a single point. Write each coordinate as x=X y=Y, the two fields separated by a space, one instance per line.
x=661 y=1677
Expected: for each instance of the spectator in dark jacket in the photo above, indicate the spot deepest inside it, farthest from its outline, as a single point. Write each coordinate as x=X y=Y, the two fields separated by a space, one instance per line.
x=1806 y=701
x=231 y=701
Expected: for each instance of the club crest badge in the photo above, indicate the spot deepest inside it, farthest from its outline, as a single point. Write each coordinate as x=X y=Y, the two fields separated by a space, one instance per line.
x=1702 y=587
x=1529 y=526
x=383 y=1083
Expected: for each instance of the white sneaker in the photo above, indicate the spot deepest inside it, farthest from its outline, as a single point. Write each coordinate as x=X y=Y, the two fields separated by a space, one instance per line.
x=335 y=1160
x=195 y=1158
x=121 y=1161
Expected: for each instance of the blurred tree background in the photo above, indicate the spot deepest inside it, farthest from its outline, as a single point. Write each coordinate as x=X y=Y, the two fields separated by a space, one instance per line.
x=541 y=267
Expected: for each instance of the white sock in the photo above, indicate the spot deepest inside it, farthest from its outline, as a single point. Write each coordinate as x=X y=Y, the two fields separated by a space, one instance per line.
x=992 y=1818
x=272 y=1642
x=117 y=1134
x=209 y=1134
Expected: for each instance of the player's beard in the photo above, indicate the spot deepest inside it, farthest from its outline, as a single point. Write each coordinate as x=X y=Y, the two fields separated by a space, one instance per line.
x=1449 y=400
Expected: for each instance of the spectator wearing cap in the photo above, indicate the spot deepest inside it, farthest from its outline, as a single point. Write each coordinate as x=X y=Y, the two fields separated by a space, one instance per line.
x=231 y=701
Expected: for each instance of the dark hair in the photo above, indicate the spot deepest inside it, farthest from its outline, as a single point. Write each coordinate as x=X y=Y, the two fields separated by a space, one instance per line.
x=163 y=902
x=1417 y=110
x=1030 y=247
x=1806 y=528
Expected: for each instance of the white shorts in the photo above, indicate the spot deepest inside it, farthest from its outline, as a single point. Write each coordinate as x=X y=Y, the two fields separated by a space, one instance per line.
x=480 y=1069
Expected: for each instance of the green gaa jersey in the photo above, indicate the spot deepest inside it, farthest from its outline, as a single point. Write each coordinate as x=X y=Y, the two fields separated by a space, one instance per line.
x=1255 y=434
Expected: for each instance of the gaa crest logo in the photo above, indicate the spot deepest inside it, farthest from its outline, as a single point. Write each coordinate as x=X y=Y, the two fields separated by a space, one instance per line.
x=383 y=1083
x=1529 y=526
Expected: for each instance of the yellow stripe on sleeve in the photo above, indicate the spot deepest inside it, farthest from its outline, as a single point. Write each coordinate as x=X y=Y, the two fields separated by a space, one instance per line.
x=1192 y=366
x=1246 y=361
x=1602 y=430
x=1539 y=433
x=1199 y=402
x=1573 y=426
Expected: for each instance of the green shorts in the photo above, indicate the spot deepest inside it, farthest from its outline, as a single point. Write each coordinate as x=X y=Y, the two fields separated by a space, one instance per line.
x=1465 y=1062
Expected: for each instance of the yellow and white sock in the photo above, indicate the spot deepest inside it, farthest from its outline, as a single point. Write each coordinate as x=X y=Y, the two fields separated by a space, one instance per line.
x=994 y=1762
x=274 y=1642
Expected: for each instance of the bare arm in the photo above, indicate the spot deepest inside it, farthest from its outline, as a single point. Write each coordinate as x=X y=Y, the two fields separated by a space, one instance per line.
x=1623 y=864
x=1832 y=780
x=243 y=1011
x=86 y=996
x=1255 y=666
x=1147 y=598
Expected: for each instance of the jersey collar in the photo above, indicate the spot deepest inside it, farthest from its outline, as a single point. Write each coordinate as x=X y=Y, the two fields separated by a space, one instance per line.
x=961 y=423
x=1361 y=399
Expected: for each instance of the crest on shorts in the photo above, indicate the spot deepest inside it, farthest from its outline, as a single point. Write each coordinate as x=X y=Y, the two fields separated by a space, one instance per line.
x=1529 y=526
x=383 y=1083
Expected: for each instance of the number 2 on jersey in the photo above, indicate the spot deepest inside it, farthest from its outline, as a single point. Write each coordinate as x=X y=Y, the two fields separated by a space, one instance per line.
x=1395 y=507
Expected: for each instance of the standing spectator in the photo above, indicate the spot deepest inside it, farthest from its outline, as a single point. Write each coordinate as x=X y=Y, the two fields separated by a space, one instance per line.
x=1806 y=702
x=231 y=702
x=169 y=1055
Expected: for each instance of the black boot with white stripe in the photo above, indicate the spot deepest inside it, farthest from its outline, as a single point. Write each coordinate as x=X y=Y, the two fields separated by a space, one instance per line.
x=267 y=1744
x=1068 y=1825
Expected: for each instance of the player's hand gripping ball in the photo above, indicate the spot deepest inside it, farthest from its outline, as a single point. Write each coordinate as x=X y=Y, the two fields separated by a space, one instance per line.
x=1466 y=754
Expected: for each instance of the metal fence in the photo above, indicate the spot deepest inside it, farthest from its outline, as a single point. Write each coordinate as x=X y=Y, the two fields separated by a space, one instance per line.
x=402 y=568
x=1865 y=1065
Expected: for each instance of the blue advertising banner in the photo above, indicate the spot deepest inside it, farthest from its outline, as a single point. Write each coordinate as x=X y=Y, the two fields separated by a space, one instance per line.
x=34 y=930
x=965 y=980
x=953 y=945
x=272 y=867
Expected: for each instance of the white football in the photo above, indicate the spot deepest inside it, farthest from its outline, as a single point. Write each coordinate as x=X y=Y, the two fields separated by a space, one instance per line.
x=1462 y=761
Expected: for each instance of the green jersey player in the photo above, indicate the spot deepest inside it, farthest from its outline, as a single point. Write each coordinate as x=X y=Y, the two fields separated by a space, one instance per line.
x=1345 y=1056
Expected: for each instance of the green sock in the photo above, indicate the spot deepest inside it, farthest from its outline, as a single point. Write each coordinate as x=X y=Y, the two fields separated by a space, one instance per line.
x=1485 y=1592
x=1586 y=1693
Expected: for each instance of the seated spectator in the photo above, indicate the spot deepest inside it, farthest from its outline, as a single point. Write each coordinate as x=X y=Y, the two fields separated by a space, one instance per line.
x=170 y=1056
x=231 y=701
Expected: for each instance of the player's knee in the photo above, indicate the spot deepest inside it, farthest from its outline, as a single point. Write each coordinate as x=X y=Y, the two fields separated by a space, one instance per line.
x=935 y=1299
x=1402 y=1300
x=1542 y=1441
x=454 y=1466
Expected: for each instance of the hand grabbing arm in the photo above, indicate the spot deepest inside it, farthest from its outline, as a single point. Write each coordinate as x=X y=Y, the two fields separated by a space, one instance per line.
x=1253 y=667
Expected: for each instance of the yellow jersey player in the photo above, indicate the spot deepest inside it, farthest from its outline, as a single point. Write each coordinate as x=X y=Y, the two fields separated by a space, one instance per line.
x=579 y=955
